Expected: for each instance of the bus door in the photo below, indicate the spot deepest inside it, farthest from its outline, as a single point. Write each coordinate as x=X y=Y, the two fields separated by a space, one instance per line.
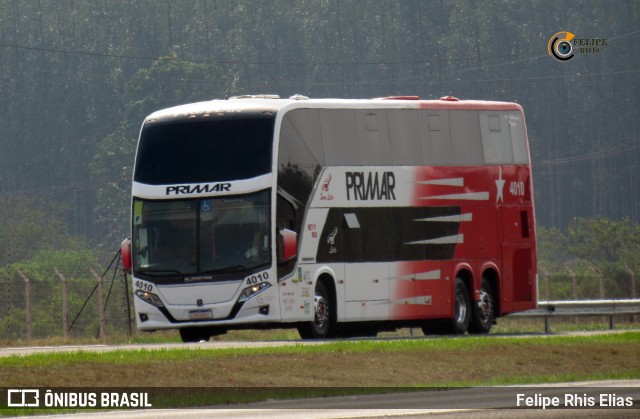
x=518 y=258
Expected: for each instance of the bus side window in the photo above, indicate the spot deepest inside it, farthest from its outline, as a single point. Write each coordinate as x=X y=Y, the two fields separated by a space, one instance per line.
x=285 y=214
x=285 y=219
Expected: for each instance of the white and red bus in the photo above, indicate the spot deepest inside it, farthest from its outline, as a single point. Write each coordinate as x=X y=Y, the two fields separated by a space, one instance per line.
x=336 y=217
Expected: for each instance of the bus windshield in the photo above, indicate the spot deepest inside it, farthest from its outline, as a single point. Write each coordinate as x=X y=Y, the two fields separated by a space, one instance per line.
x=211 y=236
x=205 y=150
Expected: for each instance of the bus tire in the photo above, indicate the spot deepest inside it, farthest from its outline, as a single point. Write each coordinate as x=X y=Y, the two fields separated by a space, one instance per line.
x=461 y=309
x=320 y=327
x=483 y=310
x=459 y=324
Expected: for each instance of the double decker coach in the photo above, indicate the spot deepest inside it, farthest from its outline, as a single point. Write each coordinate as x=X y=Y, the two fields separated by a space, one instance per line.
x=335 y=217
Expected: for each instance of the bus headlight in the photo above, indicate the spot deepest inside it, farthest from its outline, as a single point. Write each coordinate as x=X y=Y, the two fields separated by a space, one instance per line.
x=150 y=298
x=249 y=292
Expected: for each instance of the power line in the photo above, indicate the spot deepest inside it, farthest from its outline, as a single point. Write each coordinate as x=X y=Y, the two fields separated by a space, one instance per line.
x=293 y=63
x=228 y=62
x=424 y=79
x=418 y=79
x=626 y=146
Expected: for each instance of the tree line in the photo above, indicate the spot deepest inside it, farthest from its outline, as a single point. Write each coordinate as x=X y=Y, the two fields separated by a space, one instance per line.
x=591 y=259
x=78 y=77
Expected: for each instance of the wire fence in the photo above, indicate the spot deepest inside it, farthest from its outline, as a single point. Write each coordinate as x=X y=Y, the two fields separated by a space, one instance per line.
x=93 y=302
x=73 y=303
x=567 y=285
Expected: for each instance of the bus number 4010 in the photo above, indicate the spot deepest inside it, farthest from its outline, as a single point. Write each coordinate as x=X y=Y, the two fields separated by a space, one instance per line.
x=144 y=286
x=517 y=188
x=254 y=279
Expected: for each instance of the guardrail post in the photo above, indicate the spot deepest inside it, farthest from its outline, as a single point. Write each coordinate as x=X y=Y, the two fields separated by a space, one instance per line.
x=547 y=325
x=65 y=302
x=27 y=304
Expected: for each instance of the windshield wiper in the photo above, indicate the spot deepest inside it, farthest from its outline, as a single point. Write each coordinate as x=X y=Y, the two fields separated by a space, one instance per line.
x=160 y=272
x=234 y=268
x=228 y=269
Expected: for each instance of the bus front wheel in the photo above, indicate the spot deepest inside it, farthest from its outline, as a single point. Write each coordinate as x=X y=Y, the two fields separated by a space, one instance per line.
x=320 y=326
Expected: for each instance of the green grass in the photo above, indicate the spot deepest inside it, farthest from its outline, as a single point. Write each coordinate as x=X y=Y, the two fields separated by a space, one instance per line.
x=339 y=348
x=505 y=326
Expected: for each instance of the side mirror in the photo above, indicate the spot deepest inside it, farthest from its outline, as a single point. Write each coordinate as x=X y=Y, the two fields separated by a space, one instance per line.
x=289 y=245
x=125 y=255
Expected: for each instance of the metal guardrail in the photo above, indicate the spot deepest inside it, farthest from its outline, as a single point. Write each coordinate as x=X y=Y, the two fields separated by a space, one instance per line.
x=578 y=308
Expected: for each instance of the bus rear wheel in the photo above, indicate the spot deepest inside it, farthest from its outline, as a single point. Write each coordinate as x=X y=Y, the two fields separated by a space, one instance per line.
x=320 y=327
x=459 y=324
x=483 y=310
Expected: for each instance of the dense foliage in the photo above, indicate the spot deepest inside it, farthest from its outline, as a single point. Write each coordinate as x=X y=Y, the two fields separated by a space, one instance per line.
x=78 y=77
x=594 y=258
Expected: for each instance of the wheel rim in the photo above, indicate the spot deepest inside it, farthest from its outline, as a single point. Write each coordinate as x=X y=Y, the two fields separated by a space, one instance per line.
x=461 y=307
x=485 y=306
x=321 y=308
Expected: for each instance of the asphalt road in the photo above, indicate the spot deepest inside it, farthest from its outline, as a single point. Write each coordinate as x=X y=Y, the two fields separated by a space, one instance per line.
x=477 y=402
x=29 y=350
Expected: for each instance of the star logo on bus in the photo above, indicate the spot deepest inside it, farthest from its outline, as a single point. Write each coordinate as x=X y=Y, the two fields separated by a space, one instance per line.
x=500 y=185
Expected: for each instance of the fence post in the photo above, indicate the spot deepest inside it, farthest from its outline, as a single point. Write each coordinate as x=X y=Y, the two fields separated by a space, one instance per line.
x=27 y=304
x=128 y=303
x=65 y=302
x=574 y=283
x=633 y=288
x=547 y=282
x=101 y=315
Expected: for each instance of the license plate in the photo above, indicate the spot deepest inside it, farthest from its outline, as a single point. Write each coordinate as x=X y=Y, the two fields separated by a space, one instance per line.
x=200 y=314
